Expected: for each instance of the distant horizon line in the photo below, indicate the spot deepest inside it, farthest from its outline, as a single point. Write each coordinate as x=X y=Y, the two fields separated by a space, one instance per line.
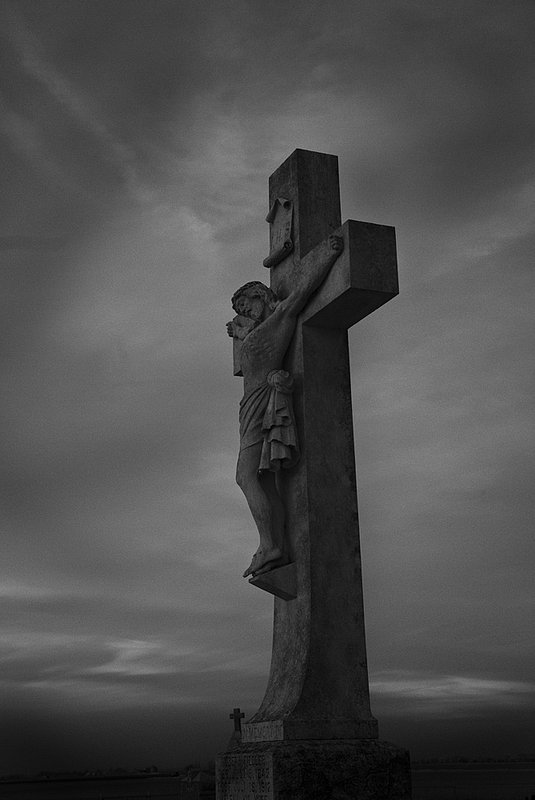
x=170 y=772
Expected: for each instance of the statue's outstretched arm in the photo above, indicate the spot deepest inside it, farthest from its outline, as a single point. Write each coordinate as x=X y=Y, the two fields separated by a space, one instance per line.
x=316 y=266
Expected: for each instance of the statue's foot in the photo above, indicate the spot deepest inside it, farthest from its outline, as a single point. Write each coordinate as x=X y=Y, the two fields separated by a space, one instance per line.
x=264 y=561
x=253 y=565
x=276 y=562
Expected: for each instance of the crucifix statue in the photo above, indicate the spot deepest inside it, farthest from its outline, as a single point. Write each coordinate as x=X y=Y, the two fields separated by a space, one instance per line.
x=296 y=467
x=265 y=324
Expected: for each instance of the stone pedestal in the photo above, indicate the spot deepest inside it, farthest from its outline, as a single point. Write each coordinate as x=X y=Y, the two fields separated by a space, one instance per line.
x=356 y=769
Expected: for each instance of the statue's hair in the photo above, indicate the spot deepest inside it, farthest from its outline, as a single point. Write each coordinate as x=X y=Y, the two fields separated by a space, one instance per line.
x=256 y=289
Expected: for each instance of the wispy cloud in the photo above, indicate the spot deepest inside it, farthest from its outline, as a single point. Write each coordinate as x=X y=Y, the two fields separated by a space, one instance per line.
x=138 y=657
x=84 y=112
x=25 y=138
x=455 y=694
x=119 y=670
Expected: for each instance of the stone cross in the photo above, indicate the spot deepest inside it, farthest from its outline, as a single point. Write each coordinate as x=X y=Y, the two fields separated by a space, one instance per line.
x=237 y=715
x=314 y=733
x=318 y=683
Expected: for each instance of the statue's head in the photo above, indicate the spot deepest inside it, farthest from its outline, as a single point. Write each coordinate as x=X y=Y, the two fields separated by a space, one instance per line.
x=245 y=300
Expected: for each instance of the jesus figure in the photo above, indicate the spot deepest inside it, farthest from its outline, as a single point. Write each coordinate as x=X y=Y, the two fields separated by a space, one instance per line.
x=268 y=438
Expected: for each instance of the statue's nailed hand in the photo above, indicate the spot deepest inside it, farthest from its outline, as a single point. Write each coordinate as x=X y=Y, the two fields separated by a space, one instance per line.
x=336 y=243
x=230 y=328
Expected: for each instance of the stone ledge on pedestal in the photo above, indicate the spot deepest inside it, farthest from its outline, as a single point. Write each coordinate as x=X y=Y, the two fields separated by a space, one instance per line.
x=292 y=729
x=360 y=769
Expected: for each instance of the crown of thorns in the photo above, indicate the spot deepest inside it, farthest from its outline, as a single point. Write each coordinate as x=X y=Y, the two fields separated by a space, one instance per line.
x=255 y=289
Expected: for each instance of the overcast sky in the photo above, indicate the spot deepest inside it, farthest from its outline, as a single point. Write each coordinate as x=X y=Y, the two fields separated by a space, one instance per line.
x=137 y=137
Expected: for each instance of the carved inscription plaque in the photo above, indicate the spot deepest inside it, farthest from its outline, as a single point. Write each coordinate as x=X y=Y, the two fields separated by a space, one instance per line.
x=269 y=731
x=280 y=231
x=245 y=776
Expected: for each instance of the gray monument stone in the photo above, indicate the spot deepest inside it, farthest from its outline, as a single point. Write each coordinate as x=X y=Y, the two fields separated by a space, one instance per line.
x=297 y=470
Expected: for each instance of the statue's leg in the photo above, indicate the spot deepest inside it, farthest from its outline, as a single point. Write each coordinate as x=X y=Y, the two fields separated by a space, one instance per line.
x=269 y=485
x=261 y=505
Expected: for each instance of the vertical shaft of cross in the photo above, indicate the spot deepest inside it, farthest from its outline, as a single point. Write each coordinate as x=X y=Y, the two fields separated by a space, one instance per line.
x=318 y=685
x=311 y=180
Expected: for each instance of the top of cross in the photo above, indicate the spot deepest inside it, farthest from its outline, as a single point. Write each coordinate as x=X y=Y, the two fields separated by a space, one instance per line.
x=304 y=200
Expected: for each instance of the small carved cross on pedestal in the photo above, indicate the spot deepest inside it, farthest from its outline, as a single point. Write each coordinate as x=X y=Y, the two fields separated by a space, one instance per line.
x=237 y=715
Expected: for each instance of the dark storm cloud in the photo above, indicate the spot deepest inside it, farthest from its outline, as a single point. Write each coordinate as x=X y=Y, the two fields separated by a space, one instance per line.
x=141 y=135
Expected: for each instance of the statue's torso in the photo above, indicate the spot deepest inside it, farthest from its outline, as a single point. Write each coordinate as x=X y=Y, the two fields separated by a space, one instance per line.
x=264 y=348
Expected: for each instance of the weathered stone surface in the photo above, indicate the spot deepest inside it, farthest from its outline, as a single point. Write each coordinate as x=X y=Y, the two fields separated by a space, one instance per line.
x=310 y=180
x=318 y=684
x=292 y=729
x=364 y=277
x=326 y=770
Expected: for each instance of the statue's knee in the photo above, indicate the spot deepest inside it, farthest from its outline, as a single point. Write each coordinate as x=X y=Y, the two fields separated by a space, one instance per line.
x=247 y=469
x=247 y=478
x=242 y=476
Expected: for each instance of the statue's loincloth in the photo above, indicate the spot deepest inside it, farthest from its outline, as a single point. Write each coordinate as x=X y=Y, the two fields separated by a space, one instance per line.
x=266 y=415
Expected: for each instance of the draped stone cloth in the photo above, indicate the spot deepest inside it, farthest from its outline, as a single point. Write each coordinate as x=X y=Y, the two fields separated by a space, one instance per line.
x=266 y=415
